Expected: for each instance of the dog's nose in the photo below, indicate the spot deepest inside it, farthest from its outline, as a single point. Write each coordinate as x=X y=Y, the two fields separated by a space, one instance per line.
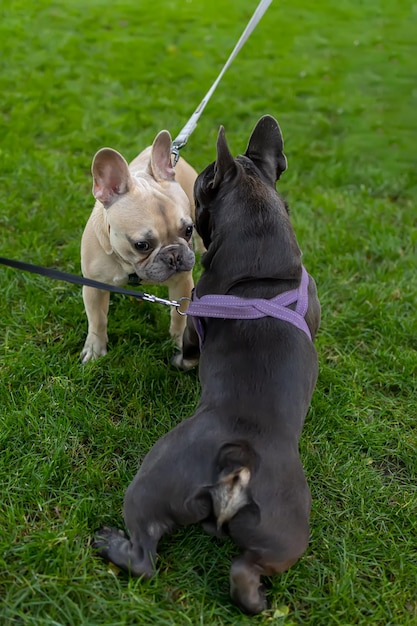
x=174 y=258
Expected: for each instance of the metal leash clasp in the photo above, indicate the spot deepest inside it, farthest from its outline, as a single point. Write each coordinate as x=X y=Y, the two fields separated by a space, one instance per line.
x=176 y=146
x=175 y=150
x=149 y=297
x=179 y=304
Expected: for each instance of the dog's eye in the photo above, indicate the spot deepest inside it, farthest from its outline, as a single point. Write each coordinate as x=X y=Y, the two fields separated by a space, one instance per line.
x=188 y=232
x=142 y=246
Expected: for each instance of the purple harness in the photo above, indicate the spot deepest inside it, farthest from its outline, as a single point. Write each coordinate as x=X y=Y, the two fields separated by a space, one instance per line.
x=234 y=307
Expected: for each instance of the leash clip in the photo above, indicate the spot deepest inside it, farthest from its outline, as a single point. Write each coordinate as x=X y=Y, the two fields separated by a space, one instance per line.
x=149 y=297
x=175 y=150
x=179 y=303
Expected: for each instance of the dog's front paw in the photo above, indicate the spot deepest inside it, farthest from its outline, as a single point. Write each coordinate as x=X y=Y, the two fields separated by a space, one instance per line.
x=104 y=539
x=114 y=546
x=180 y=363
x=93 y=349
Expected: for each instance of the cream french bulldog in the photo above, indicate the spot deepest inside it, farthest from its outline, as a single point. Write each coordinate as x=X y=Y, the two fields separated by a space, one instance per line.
x=141 y=225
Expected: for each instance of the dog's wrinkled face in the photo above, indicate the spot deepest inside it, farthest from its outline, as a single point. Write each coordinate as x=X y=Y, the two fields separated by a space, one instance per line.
x=237 y=202
x=148 y=217
x=156 y=247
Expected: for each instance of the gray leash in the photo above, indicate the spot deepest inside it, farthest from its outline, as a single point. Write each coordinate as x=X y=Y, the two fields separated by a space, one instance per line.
x=182 y=138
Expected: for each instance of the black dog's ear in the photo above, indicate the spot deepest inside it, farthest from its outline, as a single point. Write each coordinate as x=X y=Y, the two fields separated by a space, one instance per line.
x=203 y=192
x=203 y=225
x=225 y=163
x=266 y=148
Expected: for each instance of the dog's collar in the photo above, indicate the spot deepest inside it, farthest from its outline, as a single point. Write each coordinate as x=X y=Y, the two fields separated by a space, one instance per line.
x=234 y=307
x=133 y=279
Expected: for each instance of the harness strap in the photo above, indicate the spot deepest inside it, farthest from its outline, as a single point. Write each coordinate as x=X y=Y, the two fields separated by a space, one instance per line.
x=234 y=307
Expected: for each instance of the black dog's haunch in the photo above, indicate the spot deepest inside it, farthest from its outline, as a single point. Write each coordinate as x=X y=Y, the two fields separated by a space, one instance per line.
x=234 y=466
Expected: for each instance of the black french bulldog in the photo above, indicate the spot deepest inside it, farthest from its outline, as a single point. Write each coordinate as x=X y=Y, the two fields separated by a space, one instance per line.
x=234 y=466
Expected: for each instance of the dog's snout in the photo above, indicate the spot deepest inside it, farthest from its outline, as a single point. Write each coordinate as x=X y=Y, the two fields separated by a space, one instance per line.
x=174 y=258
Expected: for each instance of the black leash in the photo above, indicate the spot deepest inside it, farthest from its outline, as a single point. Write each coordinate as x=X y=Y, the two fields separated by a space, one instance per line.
x=89 y=282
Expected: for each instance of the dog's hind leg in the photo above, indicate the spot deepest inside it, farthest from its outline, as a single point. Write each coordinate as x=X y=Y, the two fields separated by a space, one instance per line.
x=270 y=546
x=245 y=585
x=131 y=555
x=246 y=589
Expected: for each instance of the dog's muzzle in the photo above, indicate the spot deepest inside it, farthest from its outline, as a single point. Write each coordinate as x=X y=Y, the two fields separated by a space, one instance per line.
x=178 y=258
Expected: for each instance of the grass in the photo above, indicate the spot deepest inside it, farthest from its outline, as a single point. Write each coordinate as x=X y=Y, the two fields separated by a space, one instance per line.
x=76 y=76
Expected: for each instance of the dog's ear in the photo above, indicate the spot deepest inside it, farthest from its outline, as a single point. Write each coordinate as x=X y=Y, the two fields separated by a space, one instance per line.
x=266 y=148
x=203 y=225
x=160 y=165
x=111 y=176
x=225 y=163
x=203 y=193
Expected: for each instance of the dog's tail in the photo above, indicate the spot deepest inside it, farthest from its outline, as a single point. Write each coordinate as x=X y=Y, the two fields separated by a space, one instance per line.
x=236 y=463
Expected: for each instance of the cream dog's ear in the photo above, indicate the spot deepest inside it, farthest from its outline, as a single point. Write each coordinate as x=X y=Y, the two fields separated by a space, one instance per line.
x=111 y=176
x=160 y=165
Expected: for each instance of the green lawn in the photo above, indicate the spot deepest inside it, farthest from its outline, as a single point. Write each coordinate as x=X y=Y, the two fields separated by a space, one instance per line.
x=341 y=79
